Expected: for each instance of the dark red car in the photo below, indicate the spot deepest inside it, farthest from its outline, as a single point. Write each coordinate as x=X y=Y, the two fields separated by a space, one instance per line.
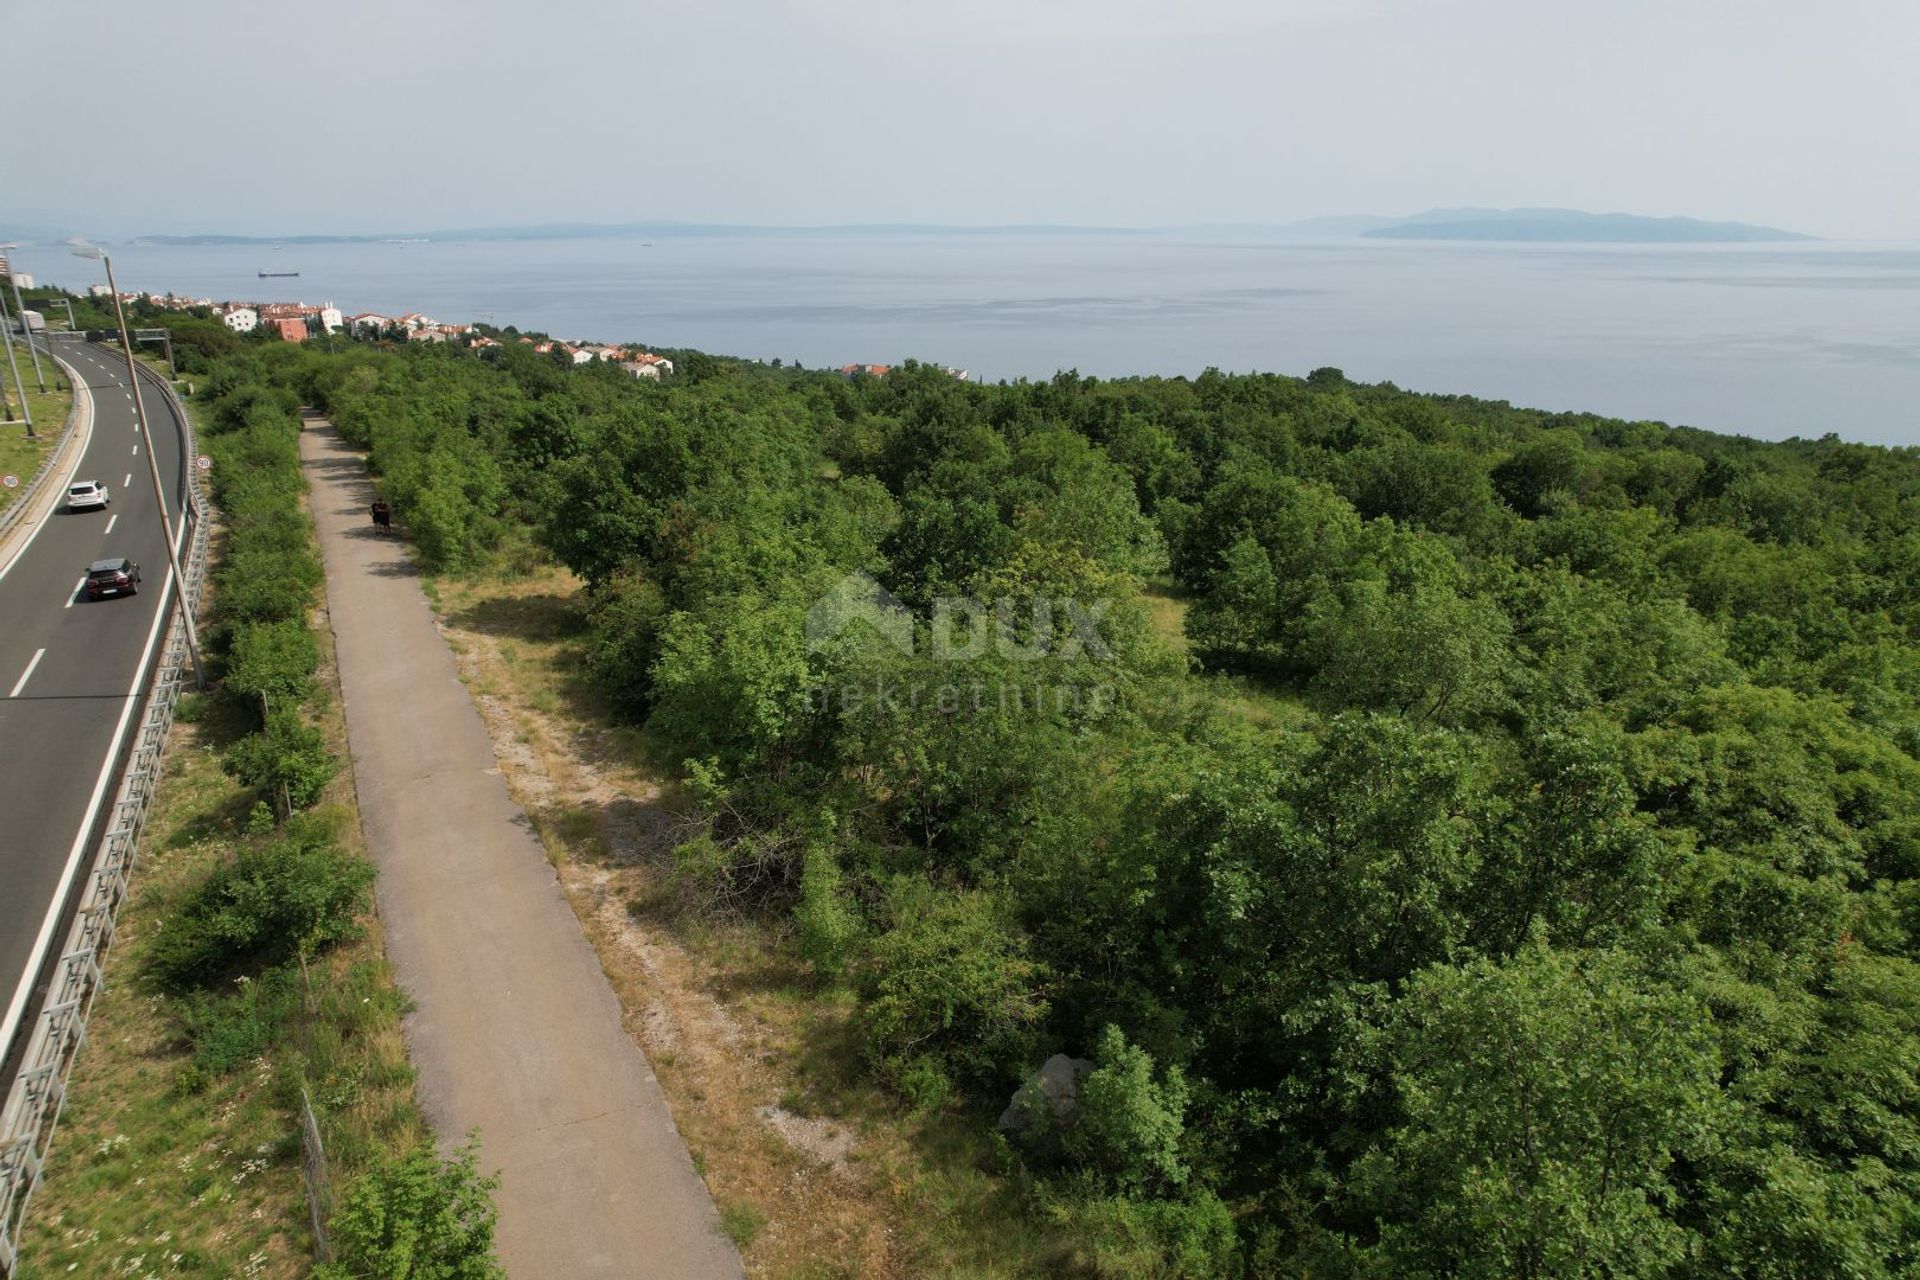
x=117 y=577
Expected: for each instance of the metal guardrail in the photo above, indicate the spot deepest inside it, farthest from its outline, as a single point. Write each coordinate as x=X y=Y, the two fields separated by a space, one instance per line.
x=31 y=1112
x=17 y=509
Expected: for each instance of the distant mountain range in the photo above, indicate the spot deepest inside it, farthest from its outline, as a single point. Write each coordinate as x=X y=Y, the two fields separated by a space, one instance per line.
x=1543 y=225
x=643 y=230
x=1538 y=225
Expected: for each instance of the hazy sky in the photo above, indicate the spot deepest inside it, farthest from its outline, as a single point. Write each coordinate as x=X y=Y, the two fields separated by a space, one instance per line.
x=345 y=115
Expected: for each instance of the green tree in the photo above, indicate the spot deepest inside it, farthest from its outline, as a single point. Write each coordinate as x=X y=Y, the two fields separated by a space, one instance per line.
x=1545 y=1104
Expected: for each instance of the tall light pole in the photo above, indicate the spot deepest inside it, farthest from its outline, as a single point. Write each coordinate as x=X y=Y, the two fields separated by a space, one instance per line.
x=81 y=249
x=20 y=309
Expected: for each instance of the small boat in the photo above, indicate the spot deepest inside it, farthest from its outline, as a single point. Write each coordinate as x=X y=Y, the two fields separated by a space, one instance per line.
x=278 y=275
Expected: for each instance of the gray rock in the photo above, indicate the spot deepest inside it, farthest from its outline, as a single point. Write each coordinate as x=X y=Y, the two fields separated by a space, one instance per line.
x=1053 y=1094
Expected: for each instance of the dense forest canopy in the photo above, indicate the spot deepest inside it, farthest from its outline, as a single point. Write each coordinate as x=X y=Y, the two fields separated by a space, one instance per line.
x=1465 y=841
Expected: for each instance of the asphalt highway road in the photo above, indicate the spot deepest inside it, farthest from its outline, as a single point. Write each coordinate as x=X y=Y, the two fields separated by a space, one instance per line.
x=71 y=670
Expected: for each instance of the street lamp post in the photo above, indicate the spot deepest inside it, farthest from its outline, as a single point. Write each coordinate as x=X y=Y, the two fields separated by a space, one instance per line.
x=20 y=308
x=81 y=249
x=67 y=302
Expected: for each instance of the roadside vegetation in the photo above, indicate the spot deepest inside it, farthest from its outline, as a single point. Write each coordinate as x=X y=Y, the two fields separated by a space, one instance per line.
x=1510 y=869
x=20 y=456
x=248 y=987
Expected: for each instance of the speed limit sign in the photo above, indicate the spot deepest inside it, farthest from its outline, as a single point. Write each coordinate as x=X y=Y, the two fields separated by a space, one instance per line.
x=12 y=482
x=203 y=462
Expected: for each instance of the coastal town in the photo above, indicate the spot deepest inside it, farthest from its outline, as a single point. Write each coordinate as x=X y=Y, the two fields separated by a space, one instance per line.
x=301 y=321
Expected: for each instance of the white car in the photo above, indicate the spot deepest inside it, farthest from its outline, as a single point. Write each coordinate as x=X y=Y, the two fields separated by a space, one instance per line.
x=87 y=495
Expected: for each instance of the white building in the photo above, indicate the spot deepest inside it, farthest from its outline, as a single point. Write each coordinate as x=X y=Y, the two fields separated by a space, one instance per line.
x=369 y=324
x=242 y=319
x=582 y=356
x=330 y=318
x=648 y=365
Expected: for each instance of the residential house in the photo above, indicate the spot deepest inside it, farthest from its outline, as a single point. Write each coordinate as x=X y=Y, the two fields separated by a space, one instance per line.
x=645 y=364
x=414 y=320
x=871 y=370
x=426 y=335
x=368 y=324
x=290 y=329
x=330 y=318
x=581 y=355
x=241 y=319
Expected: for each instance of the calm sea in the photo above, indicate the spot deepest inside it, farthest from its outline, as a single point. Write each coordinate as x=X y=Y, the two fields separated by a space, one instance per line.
x=1767 y=340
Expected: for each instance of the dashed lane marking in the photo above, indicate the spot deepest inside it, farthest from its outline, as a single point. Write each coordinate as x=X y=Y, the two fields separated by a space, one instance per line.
x=26 y=675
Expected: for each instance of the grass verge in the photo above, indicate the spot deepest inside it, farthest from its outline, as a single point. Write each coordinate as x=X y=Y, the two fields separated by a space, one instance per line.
x=20 y=456
x=179 y=1153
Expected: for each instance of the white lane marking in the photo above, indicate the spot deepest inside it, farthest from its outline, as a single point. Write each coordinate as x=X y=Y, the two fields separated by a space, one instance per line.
x=75 y=593
x=110 y=520
x=136 y=448
x=11 y=1022
x=26 y=675
x=72 y=468
x=128 y=482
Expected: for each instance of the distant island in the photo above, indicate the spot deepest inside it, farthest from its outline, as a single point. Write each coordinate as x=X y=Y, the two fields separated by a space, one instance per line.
x=1568 y=226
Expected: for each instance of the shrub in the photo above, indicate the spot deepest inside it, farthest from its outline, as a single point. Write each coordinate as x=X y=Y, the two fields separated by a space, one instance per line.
x=229 y=1029
x=295 y=891
x=949 y=984
x=624 y=642
x=266 y=585
x=1128 y=1127
x=416 y=1217
x=276 y=659
x=287 y=753
x=1136 y=1239
x=829 y=922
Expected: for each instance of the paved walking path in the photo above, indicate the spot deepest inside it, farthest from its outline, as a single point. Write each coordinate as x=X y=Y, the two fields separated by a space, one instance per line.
x=515 y=1030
